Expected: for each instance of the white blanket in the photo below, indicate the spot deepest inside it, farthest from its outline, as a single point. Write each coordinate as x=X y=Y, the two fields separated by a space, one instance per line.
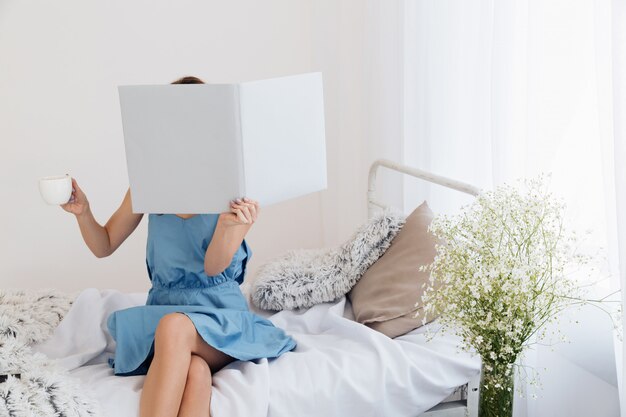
x=339 y=368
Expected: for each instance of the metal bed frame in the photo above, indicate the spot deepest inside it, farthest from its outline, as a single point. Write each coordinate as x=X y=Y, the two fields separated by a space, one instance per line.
x=463 y=402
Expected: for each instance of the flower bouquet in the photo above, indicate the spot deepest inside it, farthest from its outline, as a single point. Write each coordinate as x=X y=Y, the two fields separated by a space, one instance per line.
x=502 y=273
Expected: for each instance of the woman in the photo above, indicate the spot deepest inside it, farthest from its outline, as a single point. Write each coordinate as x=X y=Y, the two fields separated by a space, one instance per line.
x=196 y=319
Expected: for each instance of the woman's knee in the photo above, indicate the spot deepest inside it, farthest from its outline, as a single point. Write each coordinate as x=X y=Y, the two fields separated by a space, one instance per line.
x=175 y=329
x=199 y=372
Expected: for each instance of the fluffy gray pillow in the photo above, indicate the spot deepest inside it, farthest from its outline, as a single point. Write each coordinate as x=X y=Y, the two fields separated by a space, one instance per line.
x=305 y=277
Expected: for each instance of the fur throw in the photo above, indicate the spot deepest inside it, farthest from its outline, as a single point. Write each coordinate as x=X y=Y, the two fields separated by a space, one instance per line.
x=31 y=316
x=305 y=277
x=28 y=317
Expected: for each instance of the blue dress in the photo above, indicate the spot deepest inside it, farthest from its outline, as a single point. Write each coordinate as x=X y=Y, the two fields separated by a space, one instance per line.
x=219 y=311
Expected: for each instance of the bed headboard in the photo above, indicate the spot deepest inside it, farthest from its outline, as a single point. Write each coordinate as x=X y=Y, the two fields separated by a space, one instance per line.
x=414 y=172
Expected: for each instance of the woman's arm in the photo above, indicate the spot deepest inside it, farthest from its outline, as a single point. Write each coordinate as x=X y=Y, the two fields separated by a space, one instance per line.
x=102 y=240
x=230 y=231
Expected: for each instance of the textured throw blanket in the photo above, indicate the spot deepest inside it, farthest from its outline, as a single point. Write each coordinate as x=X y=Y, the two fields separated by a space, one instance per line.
x=31 y=385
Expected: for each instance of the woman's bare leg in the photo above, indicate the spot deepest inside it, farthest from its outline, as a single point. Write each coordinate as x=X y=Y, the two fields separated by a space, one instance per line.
x=176 y=339
x=196 y=400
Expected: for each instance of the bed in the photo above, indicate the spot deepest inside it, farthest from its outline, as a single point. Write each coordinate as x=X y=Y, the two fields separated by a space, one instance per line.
x=339 y=368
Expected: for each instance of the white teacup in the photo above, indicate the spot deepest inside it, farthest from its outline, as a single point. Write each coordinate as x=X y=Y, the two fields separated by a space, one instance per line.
x=56 y=189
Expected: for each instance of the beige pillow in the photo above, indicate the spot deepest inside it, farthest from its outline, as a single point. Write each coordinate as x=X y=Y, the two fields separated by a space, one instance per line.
x=385 y=296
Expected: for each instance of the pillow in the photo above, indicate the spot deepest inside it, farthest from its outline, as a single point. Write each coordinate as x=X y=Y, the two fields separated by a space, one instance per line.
x=305 y=277
x=384 y=298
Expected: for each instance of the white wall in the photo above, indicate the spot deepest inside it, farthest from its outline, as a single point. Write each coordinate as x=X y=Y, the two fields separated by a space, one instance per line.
x=60 y=114
x=61 y=63
x=357 y=45
x=338 y=44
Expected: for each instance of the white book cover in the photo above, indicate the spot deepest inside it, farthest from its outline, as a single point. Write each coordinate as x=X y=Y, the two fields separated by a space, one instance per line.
x=191 y=148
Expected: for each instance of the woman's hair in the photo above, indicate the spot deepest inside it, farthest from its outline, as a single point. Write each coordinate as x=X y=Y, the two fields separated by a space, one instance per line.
x=188 y=80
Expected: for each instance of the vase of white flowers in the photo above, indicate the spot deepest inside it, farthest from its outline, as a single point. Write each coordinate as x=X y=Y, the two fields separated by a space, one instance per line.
x=500 y=275
x=497 y=382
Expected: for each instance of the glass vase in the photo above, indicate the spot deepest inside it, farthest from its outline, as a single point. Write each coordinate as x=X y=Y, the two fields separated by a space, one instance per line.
x=496 y=392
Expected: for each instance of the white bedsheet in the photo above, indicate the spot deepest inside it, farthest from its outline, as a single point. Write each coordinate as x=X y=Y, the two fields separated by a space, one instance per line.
x=339 y=368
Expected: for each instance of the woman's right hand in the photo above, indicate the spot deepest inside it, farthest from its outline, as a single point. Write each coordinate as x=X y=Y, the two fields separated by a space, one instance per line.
x=78 y=203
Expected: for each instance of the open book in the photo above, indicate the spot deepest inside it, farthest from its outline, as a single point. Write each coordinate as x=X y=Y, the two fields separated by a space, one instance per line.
x=191 y=148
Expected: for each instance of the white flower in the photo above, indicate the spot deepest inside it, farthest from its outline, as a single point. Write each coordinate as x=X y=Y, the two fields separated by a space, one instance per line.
x=501 y=272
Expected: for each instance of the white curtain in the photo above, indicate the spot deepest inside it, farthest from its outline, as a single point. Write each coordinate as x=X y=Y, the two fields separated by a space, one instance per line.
x=493 y=90
x=619 y=159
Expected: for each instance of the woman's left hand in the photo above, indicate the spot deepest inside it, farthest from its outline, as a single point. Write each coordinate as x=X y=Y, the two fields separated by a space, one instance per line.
x=243 y=211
